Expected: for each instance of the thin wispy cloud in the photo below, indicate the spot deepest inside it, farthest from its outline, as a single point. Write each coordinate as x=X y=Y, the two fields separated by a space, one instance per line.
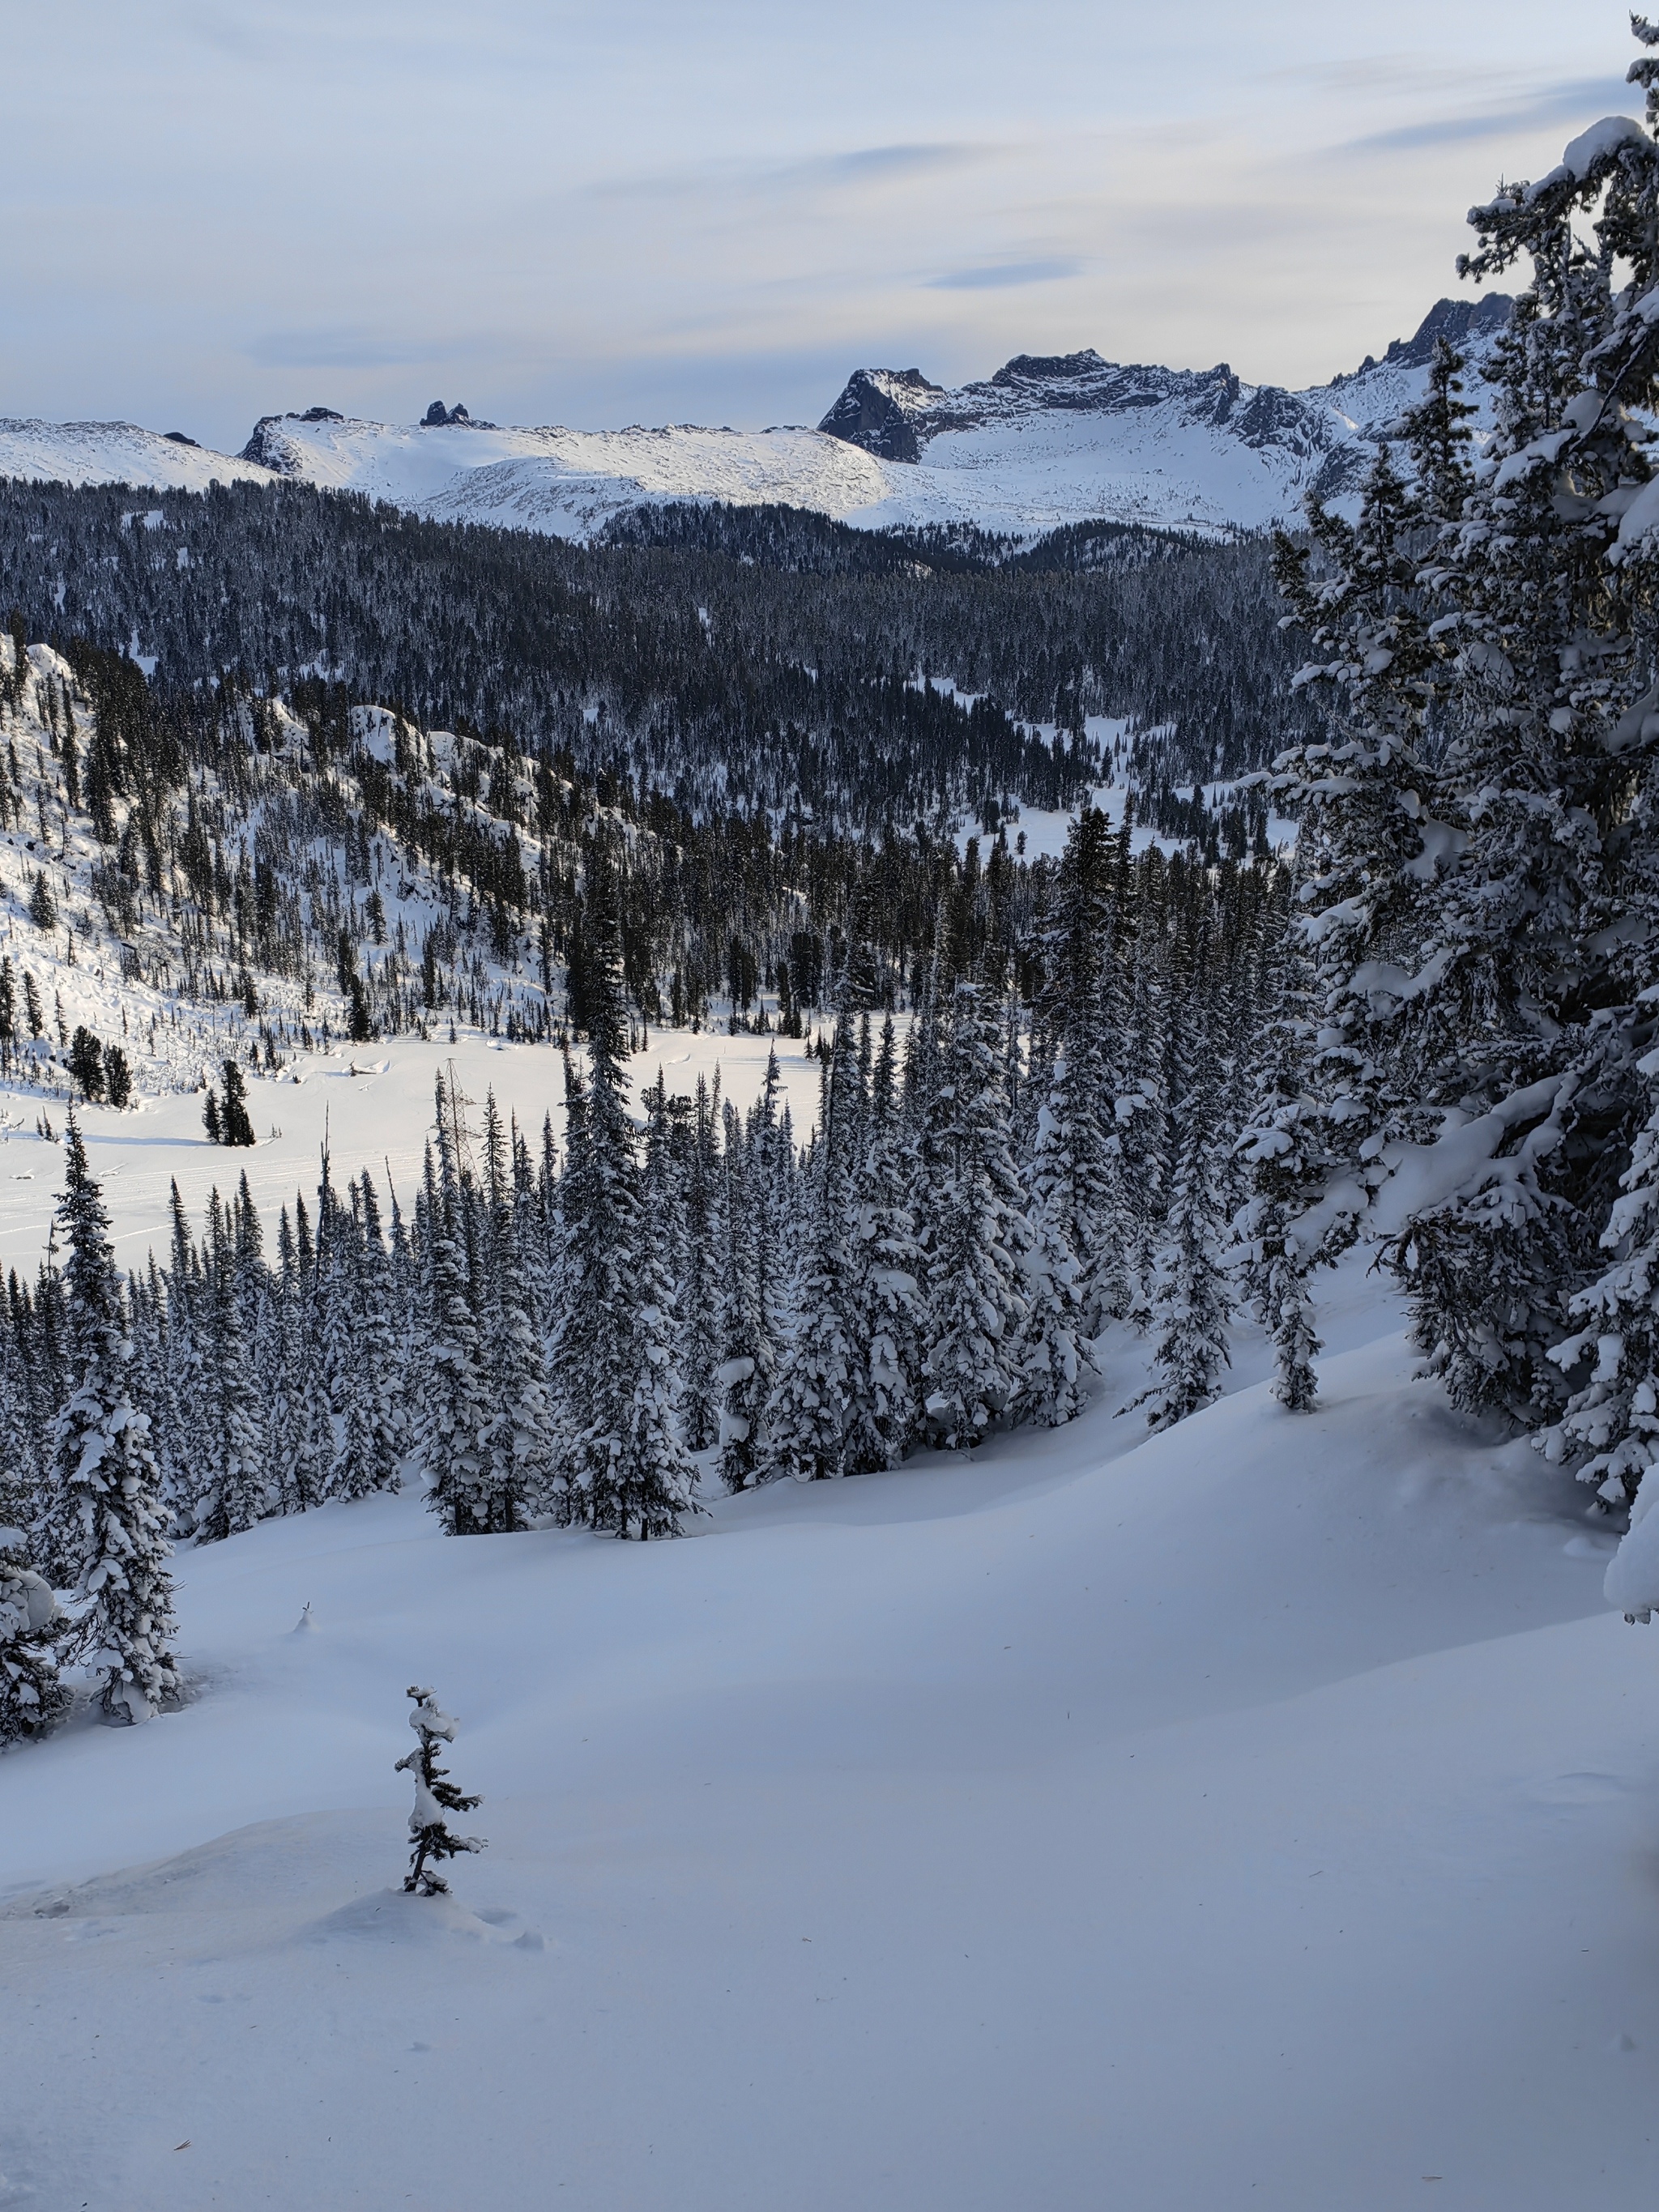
x=1562 y=102
x=859 y=165
x=1004 y=276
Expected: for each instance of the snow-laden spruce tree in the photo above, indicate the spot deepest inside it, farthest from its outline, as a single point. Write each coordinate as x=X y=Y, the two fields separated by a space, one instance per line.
x=368 y=1457
x=1190 y=1300
x=889 y=1264
x=748 y=1320
x=812 y=1429
x=1449 y=854
x=1056 y=1320
x=1283 y=1145
x=1079 y=1143
x=700 y=1354
x=1368 y=846
x=296 y=1464
x=1508 y=1024
x=519 y=1441
x=32 y=1699
x=107 y=1482
x=1141 y=1104
x=1610 y=1428
x=145 y=1304
x=237 y=1498
x=432 y=1840
x=187 y=1439
x=403 y=1288
x=348 y=1346
x=1496 y=1017
x=459 y=1414
x=629 y=1470
x=21 y=1502
x=653 y=1481
x=978 y=1292
x=570 y=1374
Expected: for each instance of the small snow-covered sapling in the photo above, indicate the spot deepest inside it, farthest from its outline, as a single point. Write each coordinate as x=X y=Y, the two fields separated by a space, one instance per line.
x=434 y=1796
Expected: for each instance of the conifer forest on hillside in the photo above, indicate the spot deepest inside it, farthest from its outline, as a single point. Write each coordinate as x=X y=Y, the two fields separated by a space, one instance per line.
x=1002 y=1074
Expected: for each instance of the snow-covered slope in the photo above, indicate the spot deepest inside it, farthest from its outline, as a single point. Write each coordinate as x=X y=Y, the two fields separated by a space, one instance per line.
x=1058 y=438
x=569 y=483
x=116 y=453
x=1047 y=440
x=1260 y=1813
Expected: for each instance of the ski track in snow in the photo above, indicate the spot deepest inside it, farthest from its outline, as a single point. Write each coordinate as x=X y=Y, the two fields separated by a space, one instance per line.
x=1259 y=1814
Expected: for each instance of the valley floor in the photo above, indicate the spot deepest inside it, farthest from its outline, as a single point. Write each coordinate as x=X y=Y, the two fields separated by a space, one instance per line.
x=372 y=1104
x=1265 y=1814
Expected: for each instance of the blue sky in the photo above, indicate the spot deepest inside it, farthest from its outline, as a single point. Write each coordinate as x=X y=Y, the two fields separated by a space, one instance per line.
x=651 y=212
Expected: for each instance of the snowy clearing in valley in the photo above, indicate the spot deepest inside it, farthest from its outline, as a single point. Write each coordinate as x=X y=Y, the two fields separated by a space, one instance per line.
x=373 y=1102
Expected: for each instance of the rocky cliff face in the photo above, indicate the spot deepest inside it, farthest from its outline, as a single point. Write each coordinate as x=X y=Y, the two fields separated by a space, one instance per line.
x=268 y=447
x=876 y=409
x=898 y=414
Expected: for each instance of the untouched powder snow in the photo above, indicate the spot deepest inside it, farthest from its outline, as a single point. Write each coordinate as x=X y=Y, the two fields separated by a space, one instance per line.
x=1263 y=1813
x=116 y=453
x=373 y=1103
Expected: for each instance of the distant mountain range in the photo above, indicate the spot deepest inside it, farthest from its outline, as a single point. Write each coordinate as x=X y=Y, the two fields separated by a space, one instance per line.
x=1047 y=440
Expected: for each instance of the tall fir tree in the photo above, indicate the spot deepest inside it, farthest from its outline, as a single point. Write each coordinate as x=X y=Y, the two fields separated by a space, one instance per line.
x=979 y=1300
x=107 y=1482
x=632 y=1475
x=455 y=1440
x=817 y=1420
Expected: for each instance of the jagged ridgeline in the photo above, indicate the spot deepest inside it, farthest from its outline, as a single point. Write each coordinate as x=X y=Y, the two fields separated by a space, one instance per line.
x=733 y=657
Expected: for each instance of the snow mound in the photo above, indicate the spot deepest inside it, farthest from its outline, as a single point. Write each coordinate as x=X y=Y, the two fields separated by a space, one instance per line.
x=393 y=1916
x=267 y=1860
x=116 y=453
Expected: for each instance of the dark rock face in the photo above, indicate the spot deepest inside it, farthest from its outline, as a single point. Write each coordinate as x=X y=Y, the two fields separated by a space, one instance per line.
x=265 y=446
x=896 y=413
x=177 y=438
x=1272 y=417
x=870 y=414
x=438 y=416
x=1457 y=321
x=1044 y=367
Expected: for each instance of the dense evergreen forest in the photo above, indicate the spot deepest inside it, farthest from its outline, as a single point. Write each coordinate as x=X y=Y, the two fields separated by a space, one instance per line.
x=733 y=657
x=554 y=1329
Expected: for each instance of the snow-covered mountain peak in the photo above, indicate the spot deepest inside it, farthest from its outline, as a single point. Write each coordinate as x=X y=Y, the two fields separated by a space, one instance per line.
x=898 y=414
x=1046 y=439
x=1470 y=324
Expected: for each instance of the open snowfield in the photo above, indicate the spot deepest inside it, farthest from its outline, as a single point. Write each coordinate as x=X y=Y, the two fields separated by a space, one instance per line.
x=372 y=1102
x=1265 y=1814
